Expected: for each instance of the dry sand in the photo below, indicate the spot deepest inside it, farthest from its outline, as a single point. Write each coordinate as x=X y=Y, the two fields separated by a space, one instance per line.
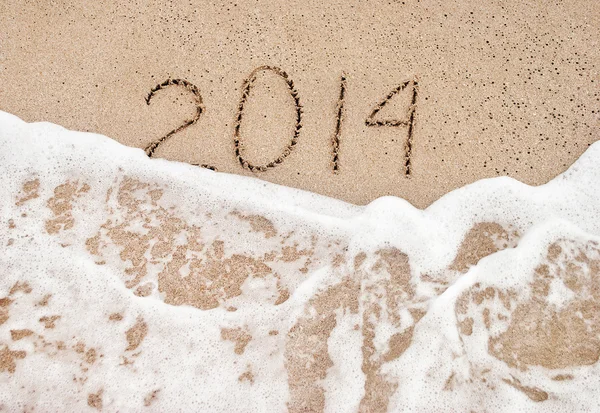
x=504 y=87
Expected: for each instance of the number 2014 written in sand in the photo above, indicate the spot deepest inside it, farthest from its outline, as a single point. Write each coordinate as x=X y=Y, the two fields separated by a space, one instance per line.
x=372 y=119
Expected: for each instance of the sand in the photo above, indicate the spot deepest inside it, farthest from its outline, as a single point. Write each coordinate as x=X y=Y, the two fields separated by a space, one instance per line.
x=129 y=284
x=504 y=87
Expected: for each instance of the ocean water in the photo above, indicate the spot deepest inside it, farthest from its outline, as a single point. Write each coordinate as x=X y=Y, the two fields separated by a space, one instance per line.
x=137 y=284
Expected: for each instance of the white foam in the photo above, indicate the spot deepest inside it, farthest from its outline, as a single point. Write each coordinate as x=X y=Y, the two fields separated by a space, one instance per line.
x=184 y=355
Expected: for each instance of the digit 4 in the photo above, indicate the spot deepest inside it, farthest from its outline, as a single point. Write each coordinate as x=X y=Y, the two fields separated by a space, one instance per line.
x=374 y=120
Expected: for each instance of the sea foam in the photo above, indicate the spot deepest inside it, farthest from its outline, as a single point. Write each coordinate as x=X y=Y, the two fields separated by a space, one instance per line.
x=137 y=284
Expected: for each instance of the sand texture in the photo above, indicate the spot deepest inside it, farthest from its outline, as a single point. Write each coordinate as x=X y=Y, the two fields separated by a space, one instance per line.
x=351 y=99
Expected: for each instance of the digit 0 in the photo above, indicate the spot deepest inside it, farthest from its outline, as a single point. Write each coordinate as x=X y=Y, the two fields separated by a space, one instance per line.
x=246 y=89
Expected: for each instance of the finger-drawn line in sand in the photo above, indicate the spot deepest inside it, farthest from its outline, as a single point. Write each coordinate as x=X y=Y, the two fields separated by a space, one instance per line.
x=199 y=109
x=248 y=83
x=338 y=124
x=370 y=121
x=206 y=166
x=411 y=123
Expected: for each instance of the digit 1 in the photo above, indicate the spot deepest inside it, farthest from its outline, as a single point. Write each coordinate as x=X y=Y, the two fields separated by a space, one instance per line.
x=338 y=124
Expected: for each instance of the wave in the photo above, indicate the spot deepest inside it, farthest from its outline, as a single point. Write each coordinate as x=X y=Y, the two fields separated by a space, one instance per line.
x=129 y=283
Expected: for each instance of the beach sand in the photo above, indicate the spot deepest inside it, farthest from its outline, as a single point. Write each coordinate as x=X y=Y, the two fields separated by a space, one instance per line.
x=504 y=87
x=130 y=284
